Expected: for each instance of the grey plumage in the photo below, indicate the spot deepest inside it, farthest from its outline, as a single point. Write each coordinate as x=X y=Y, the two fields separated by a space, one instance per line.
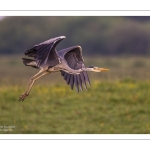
x=73 y=56
x=29 y=62
x=68 y=61
x=45 y=56
x=44 y=53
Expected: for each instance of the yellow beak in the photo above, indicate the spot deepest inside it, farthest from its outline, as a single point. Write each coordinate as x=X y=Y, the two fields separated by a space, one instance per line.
x=103 y=69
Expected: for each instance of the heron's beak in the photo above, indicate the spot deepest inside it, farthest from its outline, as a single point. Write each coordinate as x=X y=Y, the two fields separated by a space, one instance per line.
x=103 y=69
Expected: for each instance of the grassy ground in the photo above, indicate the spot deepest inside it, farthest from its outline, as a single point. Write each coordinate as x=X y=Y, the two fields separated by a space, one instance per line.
x=118 y=102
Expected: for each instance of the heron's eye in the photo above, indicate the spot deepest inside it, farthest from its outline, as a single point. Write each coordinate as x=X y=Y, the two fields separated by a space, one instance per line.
x=91 y=66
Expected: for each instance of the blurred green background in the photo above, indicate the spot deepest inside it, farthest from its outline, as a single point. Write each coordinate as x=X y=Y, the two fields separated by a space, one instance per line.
x=118 y=101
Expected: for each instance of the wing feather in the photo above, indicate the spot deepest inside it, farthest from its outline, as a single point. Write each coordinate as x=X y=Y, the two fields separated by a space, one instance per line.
x=71 y=81
x=75 y=61
x=79 y=82
x=45 y=53
x=68 y=78
x=62 y=73
x=87 y=78
x=76 y=83
x=65 y=76
x=83 y=80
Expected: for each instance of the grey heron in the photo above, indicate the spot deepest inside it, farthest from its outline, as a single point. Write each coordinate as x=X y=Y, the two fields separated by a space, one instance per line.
x=68 y=61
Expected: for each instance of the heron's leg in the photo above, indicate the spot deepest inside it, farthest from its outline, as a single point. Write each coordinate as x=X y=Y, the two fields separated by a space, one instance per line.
x=31 y=82
x=41 y=71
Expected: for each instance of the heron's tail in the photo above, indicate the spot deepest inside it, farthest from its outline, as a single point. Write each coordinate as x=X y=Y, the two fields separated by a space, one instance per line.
x=29 y=62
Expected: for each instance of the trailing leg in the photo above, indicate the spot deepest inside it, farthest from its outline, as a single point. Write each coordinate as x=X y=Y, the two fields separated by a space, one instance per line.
x=31 y=82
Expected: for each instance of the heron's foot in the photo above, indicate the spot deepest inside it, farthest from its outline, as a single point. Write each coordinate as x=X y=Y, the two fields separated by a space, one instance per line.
x=23 y=96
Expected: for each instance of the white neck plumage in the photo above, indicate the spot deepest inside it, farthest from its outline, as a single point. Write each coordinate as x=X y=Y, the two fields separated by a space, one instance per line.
x=95 y=69
x=92 y=68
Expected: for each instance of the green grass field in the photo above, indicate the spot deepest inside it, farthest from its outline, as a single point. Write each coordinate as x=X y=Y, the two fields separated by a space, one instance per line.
x=118 y=102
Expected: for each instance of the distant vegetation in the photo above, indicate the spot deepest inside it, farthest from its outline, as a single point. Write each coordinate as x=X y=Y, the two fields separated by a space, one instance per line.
x=96 y=35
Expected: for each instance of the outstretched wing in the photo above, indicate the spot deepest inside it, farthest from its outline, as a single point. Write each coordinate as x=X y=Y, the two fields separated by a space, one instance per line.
x=73 y=56
x=45 y=53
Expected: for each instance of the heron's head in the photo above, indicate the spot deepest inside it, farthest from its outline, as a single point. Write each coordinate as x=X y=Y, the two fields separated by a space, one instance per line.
x=97 y=69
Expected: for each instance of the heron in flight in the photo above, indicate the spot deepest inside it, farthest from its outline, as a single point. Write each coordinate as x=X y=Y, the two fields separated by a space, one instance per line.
x=68 y=61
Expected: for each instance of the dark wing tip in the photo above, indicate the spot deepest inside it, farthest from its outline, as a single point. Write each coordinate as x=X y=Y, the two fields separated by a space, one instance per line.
x=79 y=81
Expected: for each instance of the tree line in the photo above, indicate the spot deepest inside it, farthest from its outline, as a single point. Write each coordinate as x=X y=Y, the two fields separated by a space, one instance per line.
x=97 y=35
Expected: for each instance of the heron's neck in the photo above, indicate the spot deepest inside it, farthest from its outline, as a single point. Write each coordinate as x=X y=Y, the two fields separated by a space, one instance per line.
x=70 y=70
x=88 y=69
